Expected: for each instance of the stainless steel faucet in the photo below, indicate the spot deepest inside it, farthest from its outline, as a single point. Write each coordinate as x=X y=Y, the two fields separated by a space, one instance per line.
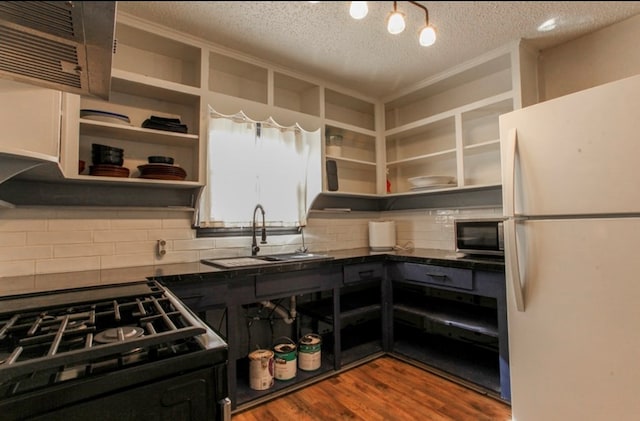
x=254 y=244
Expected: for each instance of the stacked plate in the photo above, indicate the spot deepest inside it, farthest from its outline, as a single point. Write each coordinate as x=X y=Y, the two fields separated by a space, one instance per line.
x=431 y=181
x=106 y=170
x=105 y=116
x=162 y=172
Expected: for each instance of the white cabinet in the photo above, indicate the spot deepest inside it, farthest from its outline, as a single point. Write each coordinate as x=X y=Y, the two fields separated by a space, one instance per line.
x=153 y=75
x=351 y=120
x=448 y=125
x=30 y=120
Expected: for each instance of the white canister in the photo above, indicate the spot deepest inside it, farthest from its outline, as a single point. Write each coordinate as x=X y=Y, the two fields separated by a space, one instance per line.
x=261 y=369
x=382 y=235
x=310 y=352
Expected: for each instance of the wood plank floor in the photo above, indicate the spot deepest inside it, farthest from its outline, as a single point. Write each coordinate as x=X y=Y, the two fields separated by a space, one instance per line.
x=381 y=390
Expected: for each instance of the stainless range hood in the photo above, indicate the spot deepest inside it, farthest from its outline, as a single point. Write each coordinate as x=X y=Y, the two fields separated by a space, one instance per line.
x=63 y=45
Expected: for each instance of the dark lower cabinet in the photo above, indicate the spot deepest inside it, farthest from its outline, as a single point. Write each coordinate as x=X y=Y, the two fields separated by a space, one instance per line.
x=457 y=327
x=451 y=320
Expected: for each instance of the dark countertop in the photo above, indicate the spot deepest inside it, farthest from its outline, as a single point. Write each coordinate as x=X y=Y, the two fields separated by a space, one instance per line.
x=200 y=271
x=197 y=271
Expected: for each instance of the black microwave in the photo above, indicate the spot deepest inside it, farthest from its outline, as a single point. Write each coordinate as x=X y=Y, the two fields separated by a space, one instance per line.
x=480 y=236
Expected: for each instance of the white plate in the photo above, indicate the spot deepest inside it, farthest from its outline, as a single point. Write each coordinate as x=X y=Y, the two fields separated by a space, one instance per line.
x=434 y=186
x=430 y=180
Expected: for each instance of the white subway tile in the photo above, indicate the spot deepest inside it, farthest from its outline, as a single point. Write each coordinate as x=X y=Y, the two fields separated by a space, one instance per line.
x=19 y=268
x=137 y=247
x=21 y=225
x=116 y=236
x=17 y=284
x=68 y=237
x=195 y=244
x=78 y=224
x=121 y=224
x=13 y=238
x=25 y=253
x=67 y=264
x=126 y=260
x=83 y=250
x=171 y=234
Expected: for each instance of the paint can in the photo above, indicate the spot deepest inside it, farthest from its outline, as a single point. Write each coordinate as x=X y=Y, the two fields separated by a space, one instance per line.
x=310 y=352
x=285 y=359
x=261 y=369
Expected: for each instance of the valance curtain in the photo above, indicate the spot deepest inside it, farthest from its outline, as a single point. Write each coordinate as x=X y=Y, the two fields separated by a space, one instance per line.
x=251 y=162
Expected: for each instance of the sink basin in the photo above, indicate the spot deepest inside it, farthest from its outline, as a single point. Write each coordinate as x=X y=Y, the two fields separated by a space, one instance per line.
x=294 y=257
x=235 y=262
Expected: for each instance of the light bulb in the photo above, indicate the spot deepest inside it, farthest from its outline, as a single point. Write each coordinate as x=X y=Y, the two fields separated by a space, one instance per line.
x=427 y=36
x=358 y=9
x=395 y=23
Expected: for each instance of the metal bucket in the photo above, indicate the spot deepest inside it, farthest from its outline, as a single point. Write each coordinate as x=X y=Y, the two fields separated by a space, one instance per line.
x=285 y=359
x=261 y=369
x=310 y=352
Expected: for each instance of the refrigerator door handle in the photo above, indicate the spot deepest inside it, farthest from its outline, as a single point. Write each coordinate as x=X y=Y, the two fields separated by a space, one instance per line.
x=513 y=263
x=510 y=173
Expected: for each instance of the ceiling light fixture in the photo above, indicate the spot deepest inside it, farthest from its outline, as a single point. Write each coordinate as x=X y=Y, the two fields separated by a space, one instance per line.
x=396 y=21
x=358 y=9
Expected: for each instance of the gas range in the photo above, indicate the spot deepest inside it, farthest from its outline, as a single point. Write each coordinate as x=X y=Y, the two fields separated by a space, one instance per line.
x=62 y=350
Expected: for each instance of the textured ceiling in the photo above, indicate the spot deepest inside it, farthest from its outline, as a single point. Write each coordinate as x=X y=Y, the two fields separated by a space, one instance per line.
x=322 y=40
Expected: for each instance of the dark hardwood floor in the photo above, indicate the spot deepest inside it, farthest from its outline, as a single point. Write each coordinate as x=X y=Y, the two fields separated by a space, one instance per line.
x=384 y=389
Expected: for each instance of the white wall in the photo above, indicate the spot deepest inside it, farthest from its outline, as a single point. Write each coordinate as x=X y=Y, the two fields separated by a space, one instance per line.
x=603 y=56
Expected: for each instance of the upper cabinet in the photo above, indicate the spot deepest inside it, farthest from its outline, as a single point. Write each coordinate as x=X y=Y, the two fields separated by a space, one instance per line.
x=350 y=144
x=443 y=133
x=30 y=120
x=153 y=75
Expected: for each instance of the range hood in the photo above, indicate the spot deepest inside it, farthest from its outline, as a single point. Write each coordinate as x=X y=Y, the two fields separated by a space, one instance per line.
x=63 y=45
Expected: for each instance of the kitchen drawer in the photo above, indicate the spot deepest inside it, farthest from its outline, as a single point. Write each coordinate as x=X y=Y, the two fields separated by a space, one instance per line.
x=275 y=284
x=201 y=295
x=439 y=275
x=363 y=272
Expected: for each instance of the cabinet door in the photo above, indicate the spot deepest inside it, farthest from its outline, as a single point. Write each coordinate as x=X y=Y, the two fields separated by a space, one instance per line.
x=30 y=120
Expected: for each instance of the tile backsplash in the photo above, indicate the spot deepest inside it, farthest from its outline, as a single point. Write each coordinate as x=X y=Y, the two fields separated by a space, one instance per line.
x=40 y=241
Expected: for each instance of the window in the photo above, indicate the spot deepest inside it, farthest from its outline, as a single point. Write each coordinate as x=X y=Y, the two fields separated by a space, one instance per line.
x=250 y=163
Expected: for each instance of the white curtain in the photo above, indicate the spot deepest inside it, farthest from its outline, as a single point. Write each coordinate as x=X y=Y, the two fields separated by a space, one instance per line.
x=253 y=162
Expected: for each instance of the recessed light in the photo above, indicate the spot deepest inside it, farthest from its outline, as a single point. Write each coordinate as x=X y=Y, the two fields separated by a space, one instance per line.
x=548 y=25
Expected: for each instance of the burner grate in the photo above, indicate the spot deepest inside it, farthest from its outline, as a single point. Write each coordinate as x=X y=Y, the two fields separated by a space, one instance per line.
x=69 y=341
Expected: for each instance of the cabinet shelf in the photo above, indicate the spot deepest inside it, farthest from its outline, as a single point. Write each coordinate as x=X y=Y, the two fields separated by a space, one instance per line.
x=473 y=364
x=137 y=181
x=150 y=87
x=490 y=144
x=138 y=134
x=348 y=109
x=414 y=159
x=161 y=57
x=454 y=314
x=349 y=161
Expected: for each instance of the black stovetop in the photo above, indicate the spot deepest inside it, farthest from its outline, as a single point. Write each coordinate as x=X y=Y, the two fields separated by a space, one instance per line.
x=50 y=338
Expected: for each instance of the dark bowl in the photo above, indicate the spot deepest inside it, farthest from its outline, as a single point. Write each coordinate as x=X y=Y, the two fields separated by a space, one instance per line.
x=160 y=160
x=106 y=159
x=95 y=147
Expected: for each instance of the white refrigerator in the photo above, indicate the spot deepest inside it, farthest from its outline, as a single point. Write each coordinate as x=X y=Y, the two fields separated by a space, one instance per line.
x=571 y=198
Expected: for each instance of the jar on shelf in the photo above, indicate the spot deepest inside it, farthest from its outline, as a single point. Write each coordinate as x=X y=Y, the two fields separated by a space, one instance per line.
x=334 y=145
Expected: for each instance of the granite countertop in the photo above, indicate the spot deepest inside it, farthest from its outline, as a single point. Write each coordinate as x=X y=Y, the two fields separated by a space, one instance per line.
x=197 y=271
x=201 y=271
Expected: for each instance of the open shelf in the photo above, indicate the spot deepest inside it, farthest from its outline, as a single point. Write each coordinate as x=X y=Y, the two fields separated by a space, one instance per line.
x=153 y=55
x=237 y=78
x=470 y=363
x=246 y=394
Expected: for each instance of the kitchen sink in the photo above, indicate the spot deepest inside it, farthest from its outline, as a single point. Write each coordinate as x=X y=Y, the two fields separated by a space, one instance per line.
x=294 y=257
x=268 y=259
